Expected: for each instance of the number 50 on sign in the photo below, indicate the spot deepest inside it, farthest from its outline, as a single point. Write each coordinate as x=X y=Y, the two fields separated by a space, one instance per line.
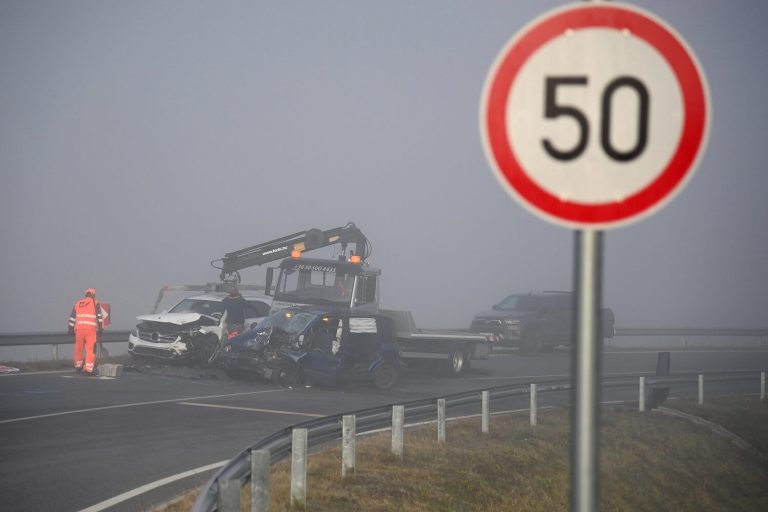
x=595 y=115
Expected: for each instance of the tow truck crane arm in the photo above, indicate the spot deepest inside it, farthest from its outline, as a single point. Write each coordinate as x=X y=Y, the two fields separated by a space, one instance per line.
x=282 y=247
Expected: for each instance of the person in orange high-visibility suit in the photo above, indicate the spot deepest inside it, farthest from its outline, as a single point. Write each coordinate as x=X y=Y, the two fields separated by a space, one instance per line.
x=85 y=323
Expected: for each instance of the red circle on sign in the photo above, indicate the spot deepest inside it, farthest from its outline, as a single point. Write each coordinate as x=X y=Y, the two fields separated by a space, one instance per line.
x=680 y=165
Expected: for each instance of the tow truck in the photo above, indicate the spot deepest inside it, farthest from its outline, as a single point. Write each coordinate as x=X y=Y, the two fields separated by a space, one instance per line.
x=349 y=283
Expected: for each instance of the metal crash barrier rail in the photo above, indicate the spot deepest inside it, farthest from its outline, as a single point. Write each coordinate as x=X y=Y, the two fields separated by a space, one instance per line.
x=55 y=338
x=113 y=336
x=116 y=336
x=328 y=429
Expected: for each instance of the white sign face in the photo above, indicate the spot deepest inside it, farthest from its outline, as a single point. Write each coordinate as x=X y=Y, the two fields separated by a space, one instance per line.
x=593 y=115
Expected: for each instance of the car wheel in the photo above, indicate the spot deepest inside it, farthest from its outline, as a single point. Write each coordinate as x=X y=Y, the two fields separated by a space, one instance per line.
x=458 y=362
x=531 y=343
x=385 y=376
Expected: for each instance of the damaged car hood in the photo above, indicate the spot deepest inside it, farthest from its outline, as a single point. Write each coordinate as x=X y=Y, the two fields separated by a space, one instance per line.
x=171 y=318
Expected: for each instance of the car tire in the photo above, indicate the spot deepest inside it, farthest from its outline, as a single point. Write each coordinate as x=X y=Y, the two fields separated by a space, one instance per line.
x=385 y=376
x=458 y=362
x=531 y=343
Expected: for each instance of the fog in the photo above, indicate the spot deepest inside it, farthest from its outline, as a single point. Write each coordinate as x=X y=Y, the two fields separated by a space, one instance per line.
x=140 y=140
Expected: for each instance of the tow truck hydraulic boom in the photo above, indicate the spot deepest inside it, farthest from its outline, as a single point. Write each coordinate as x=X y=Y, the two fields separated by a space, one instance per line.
x=282 y=247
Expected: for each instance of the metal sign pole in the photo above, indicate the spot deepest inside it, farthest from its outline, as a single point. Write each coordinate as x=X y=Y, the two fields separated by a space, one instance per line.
x=550 y=54
x=585 y=372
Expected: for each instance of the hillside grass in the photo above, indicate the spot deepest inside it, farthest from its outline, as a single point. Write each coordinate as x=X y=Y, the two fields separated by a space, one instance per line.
x=649 y=461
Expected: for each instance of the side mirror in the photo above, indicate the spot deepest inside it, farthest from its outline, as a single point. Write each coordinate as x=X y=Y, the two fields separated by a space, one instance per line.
x=268 y=283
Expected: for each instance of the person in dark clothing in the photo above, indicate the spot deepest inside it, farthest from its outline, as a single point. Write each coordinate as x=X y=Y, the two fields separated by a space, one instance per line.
x=234 y=305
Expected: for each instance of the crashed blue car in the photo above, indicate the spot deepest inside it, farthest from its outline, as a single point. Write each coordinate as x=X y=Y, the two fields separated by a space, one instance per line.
x=317 y=346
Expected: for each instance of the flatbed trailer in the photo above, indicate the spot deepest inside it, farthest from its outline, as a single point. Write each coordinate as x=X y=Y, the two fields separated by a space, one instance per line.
x=452 y=350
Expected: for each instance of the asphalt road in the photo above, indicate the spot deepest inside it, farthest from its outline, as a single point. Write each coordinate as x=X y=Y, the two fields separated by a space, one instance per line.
x=70 y=442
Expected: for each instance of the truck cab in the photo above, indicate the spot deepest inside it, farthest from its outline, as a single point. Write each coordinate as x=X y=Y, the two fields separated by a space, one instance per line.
x=320 y=282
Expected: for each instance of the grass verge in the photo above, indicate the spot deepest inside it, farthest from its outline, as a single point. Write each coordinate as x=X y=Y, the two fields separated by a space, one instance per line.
x=649 y=461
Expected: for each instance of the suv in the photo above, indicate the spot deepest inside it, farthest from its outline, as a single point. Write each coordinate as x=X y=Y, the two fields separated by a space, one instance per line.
x=191 y=329
x=535 y=321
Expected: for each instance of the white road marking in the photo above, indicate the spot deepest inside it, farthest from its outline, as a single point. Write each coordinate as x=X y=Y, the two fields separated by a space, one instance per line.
x=95 y=377
x=152 y=485
x=34 y=373
x=137 y=404
x=253 y=409
x=159 y=483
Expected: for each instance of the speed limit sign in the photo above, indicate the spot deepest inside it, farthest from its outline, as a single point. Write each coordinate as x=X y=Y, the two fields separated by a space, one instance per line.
x=594 y=116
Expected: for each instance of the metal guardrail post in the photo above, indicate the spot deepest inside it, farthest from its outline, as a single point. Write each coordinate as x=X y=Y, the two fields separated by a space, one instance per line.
x=299 y=467
x=486 y=417
x=229 y=496
x=398 y=417
x=701 y=389
x=441 y=420
x=278 y=444
x=762 y=385
x=55 y=349
x=641 y=397
x=260 y=468
x=348 y=433
x=533 y=404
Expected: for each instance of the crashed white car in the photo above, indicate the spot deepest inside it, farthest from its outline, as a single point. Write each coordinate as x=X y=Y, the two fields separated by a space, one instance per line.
x=191 y=329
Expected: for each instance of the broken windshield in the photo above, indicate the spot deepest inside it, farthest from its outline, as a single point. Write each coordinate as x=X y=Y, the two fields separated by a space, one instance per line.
x=289 y=321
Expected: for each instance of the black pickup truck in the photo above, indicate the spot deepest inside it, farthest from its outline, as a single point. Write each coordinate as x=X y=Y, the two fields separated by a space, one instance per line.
x=535 y=322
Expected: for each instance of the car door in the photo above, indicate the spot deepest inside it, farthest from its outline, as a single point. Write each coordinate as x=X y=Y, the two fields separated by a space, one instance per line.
x=554 y=316
x=360 y=346
x=323 y=361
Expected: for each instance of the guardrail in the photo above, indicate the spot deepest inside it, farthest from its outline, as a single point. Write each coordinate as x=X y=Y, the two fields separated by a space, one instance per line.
x=689 y=331
x=685 y=337
x=55 y=338
x=317 y=432
x=112 y=336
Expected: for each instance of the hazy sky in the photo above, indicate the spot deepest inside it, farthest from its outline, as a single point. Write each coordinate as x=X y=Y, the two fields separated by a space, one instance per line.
x=141 y=139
